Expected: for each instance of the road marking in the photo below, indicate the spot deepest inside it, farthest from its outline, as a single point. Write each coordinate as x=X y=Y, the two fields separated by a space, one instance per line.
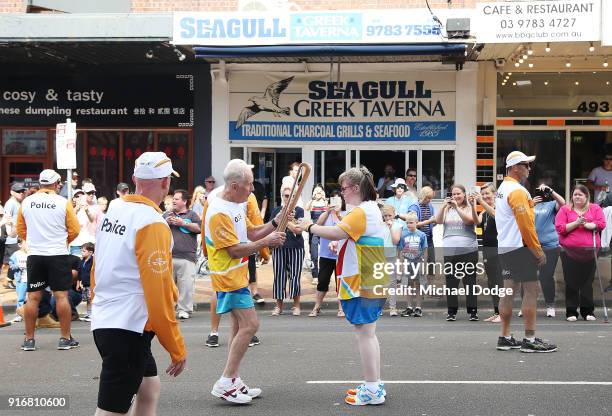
x=493 y=382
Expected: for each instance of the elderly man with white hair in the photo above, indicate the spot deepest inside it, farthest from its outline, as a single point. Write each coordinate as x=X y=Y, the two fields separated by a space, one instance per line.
x=230 y=239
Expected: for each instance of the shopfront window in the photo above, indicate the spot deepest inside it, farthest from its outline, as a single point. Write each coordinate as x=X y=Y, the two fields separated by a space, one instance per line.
x=24 y=142
x=588 y=149
x=547 y=146
x=176 y=146
x=438 y=171
x=134 y=144
x=329 y=165
x=103 y=161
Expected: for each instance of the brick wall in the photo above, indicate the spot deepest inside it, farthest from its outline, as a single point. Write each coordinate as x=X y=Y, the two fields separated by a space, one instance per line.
x=232 y=5
x=12 y=6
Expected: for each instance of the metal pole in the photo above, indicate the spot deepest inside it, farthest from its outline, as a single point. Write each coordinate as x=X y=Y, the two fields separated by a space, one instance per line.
x=603 y=292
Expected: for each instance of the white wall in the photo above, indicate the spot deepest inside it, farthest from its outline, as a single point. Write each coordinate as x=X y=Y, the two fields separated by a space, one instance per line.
x=466 y=114
x=220 y=120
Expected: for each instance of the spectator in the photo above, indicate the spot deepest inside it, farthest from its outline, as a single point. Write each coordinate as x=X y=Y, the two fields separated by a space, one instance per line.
x=3 y=235
x=75 y=295
x=102 y=204
x=389 y=218
x=123 y=189
x=185 y=227
x=11 y=208
x=383 y=187
x=18 y=268
x=411 y=178
x=486 y=220
x=209 y=184
x=316 y=206
x=262 y=199
x=49 y=223
x=546 y=204
x=400 y=202
x=426 y=219
x=290 y=179
x=89 y=215
x=197 y=204
x=168 y=200
x=600 y=178
x=287 y=260
x=75 y=183
x=328 y=251
x=460 y=249
x=412 y=245
x=83 y=284
x=578 y=225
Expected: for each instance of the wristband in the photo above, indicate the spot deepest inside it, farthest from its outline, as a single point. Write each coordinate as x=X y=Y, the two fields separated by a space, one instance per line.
x=309 y=227
x=274 y=224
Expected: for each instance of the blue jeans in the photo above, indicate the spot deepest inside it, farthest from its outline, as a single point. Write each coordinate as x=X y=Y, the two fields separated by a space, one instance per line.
x=314 y=255
x=21 y=288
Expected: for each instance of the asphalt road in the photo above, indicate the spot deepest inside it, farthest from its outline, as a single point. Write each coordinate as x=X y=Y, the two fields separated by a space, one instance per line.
x=303 y=365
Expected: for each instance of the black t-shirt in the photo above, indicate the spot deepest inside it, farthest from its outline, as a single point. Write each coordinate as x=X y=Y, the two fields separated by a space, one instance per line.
x=185 y=242
x=489 y=230
x=292 y=241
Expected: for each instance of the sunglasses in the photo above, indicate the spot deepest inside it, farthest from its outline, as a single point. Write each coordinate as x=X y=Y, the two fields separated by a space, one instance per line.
x=91 y=193
x=210 y=181
x=411 y=176
x=286 y=196
x=20 y=192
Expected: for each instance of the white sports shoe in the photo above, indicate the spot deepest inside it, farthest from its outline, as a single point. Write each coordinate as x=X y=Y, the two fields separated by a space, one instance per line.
x=252 y=392
x=571 y=319
x=231 y=392
x=183 y=315
x=365 y=397
x=591 y=318
x=550 y=312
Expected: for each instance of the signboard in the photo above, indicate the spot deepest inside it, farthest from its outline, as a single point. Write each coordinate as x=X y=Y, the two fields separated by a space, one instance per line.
x=606 y=28
x=293 y=28
x=415 y=106
x=98 y=101
x=538 y=21
x=65 y=145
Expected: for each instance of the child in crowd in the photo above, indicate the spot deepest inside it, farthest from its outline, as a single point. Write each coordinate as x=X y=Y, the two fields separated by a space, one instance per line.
x=392 y=225
x=83 y=279
x=412 y=245
x=19 y=272
x=316 y=206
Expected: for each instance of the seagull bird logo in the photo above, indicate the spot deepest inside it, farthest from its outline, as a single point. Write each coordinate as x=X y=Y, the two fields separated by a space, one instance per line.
x=268 y=102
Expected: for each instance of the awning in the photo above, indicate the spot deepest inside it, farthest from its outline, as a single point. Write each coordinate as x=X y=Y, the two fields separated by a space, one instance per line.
x=424 y=52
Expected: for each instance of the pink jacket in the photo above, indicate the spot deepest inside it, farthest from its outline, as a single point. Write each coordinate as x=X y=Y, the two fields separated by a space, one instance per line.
x=579 y=237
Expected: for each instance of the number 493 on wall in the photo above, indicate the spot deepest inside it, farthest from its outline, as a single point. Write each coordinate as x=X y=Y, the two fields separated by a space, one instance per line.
x=594 y=107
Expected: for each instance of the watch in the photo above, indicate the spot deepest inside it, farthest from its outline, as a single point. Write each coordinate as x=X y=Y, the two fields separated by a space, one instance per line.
x=274 y=224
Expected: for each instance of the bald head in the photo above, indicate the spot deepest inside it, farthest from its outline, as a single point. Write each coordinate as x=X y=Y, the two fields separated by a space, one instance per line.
x=154 y=189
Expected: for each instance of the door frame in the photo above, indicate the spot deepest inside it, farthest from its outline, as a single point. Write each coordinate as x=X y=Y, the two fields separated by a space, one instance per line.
x=7 y=160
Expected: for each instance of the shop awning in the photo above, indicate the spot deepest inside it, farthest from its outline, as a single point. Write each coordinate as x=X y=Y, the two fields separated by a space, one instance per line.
x=418 y=52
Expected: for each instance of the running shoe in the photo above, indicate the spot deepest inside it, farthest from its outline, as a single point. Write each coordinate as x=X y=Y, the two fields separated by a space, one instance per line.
x=393 y=312
x=550 y=312
x=254 y=341
x=85 y=318
x=418 y=312
x=537 y=346
x=520 y=314
x=353 y=392
x=365 y=397
x=451 y=317
x=212 y=341
x=17 y=318
x=590 y=318
x=407 y=312
x=504 y=344
x=474 y=316
x=258 y=299
x=67 y=343
x=231 y=392
x=571 y=318
x=183 y=315
x=28 y=345
x=492 y=318
x=252 y=392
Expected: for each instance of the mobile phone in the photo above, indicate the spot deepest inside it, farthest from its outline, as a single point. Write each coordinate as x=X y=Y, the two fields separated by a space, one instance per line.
x=449 y=194
x=335 y=201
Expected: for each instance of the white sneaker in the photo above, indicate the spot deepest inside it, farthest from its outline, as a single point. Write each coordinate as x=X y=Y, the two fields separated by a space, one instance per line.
x=393 y=312
x=591 y=318
x=571 y=319
x=519 y=314
x=231 y=392
x=550 y=312
x=183 y=315
x=252 y=392
x=17 y=319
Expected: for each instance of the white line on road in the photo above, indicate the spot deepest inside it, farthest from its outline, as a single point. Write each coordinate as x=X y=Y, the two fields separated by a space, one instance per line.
x=539 y=383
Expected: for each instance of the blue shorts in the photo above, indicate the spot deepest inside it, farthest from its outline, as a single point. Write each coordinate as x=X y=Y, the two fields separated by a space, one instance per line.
x=362 y=310
x=238 y=299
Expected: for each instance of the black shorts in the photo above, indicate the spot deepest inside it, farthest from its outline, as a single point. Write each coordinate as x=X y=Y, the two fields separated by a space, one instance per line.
x=327 y=267
x=253 y=268
x=9 y=250
x=519 y=265
x=126 y=359
x=52 y=271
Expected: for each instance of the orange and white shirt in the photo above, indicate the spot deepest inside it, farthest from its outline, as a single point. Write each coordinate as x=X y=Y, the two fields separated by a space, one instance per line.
x=362 y=253
x=225 y=225
x=132 y=273
x=515 y=218
x=47 y=222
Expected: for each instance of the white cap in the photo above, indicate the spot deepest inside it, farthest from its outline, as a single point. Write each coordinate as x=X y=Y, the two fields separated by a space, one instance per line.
x=153 y=165
x=89 y=187
x=49 y=177
x=516 y=157
x=77 y=191
x=399 y=181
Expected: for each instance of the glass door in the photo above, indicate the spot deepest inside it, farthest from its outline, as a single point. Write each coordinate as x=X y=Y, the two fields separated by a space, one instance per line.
x=263 y=175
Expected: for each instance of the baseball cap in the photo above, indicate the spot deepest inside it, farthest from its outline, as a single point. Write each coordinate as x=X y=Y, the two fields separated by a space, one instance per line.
x=516 y=157
x=75 y=192
x=122 y=187
x=18 y=186
x=89 y=187
x=49 y=177
x=153 y=165
x=398 y=181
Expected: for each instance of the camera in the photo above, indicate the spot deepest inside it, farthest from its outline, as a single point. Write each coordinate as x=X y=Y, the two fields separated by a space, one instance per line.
x=545 y=194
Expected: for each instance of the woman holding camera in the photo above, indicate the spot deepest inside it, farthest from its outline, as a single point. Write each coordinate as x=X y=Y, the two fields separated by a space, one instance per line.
x=316 y=206
x=460 y=250
x=547 y=203
x=578 y=225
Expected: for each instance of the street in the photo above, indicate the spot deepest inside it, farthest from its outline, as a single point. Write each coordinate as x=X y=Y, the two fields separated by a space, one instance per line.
x=303 y=365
